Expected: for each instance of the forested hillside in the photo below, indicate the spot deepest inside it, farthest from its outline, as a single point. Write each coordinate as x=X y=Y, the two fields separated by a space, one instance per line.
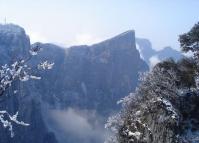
x=164 y=108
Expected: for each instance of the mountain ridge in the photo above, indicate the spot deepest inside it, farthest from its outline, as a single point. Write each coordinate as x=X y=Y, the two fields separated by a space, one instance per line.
x=148 y=52
x=84 y=77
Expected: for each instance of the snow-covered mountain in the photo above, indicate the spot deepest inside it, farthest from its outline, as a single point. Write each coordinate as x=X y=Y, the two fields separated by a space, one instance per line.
x=72 y=100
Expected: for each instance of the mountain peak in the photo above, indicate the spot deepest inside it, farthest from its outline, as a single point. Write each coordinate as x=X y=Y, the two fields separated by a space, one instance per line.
x=13 y=40
x=127 y=34
x=123 y=40
x=11 y=29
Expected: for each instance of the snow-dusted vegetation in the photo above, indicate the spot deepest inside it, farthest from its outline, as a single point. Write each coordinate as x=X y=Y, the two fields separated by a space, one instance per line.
x=19 y=70
x=164 y=108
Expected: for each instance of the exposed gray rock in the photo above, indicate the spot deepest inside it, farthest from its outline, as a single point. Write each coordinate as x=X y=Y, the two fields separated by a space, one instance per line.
x=86 y=77
x=14 y=45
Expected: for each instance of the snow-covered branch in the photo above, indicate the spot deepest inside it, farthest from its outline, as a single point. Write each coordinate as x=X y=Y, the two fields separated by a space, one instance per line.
x=7 y=120
x=19 y=70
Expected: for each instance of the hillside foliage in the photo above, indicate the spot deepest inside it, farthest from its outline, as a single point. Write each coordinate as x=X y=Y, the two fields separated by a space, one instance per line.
x=163 y=109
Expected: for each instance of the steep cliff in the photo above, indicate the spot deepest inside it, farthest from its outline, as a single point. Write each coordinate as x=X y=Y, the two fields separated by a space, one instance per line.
x=84 y=77
x=15 y=45
x=93 y=77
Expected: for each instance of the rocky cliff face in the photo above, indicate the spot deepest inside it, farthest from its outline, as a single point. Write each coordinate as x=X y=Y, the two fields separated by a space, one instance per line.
x=84 y=77
x=93 y=77
x=15 y=45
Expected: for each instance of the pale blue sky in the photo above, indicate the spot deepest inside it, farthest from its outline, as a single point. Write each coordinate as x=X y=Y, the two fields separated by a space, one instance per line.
x=71 y=22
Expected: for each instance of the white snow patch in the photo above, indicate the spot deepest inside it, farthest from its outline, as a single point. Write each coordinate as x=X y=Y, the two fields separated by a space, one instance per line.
x=135 y=134
x=35 y=77
x=169 y=107
x=138 y=113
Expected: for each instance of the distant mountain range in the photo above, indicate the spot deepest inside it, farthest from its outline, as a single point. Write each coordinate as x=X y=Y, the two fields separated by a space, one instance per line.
x=150 y=55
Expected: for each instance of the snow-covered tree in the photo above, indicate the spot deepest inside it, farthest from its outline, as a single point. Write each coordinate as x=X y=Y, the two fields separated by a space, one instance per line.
x=189 y=42
x=164 y=108
x=19 y=70
x=158 y=88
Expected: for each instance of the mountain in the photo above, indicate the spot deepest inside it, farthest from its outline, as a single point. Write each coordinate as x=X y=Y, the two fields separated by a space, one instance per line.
x=14 y=45
x=168 y=52
x=71 y=102
x=145 y=48
x=149 y=54
x=99 y=74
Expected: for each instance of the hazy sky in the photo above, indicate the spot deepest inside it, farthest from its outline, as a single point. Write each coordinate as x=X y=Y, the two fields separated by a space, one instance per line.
x=72 y=22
